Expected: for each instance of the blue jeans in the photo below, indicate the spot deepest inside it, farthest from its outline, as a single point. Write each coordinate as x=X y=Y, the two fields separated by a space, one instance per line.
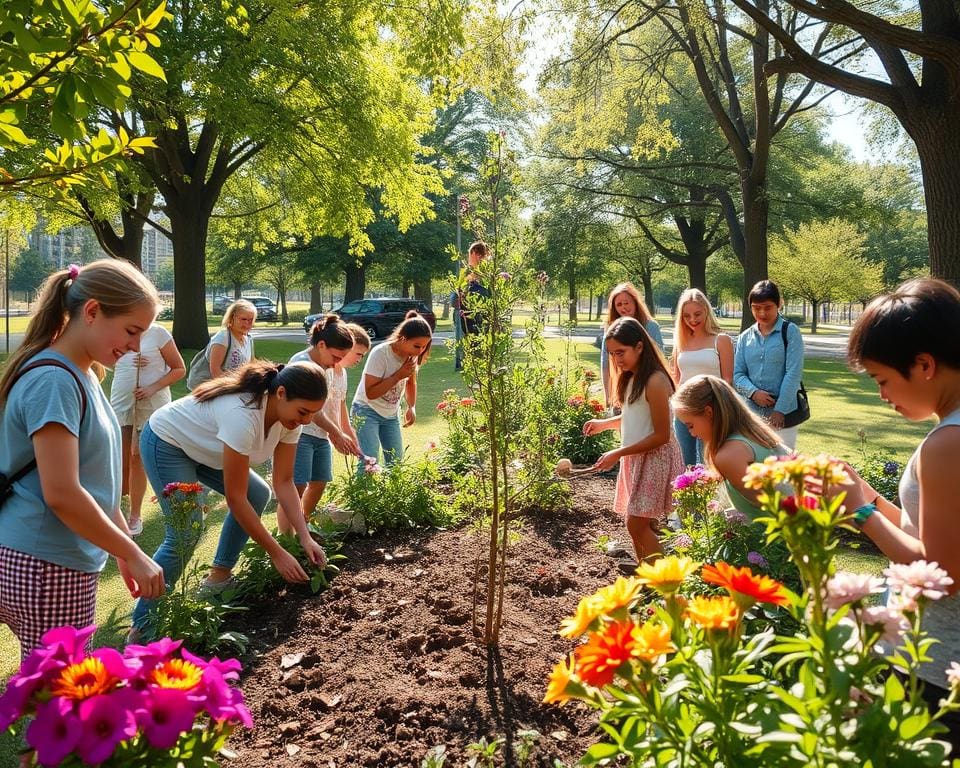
x=165 y=463
x=374 y=431
x=690 y=447
x=314 y=460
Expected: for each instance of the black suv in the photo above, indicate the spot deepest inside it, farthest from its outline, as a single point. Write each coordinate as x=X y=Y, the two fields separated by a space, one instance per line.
x=378 y=317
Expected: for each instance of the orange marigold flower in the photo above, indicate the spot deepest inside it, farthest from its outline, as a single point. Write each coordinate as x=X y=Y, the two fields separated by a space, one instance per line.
x=605 y=652
x=653 y=641
x=87 y=678
x=559 y=679
x=720 y=612
x=666 y=574
x=177 y=673
x=744 y=586
x=589 y=609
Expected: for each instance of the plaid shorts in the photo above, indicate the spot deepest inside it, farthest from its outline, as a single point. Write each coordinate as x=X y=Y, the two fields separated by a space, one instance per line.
x=36 y=596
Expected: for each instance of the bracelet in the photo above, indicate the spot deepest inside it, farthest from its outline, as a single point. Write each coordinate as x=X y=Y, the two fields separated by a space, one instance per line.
x=862 y=514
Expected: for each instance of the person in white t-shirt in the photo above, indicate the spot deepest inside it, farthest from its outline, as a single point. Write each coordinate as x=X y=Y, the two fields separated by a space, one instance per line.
x=232 y=346
x=215 y=436
x=141 y=385
x=330 y=342
x=390 y=372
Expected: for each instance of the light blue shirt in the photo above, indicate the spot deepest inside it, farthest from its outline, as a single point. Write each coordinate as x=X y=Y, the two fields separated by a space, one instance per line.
x=49 y=395
x=652 y=328
x=760 y=362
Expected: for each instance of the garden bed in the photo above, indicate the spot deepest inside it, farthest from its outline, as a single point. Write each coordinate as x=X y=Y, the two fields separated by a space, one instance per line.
x=383 y=666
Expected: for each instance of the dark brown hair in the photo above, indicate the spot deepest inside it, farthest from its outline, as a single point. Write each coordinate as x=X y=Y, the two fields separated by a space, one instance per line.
x=302 y=381
x=332 y=331
x=414 y=326
x=629 y=332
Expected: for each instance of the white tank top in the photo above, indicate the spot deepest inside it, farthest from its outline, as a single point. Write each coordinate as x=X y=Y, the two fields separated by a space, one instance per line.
x=696 y=362
x=942 y=617
x=635 y=420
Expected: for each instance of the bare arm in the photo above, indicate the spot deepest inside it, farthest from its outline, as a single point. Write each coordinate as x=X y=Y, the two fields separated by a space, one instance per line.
x=218 y=353
x=289 y=499
x=731 y=461
x=174 y=361
x=411 y=395
x=725 y=350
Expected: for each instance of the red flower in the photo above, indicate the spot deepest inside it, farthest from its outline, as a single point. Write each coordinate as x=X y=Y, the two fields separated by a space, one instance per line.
x=789 y=503
x=605 y=652
x=575 y=402
x=744 y=586
x=442 y=405
x=467 y=402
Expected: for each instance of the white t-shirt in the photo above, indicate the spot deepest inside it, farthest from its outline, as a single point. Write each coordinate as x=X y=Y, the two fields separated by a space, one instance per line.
x=201 y=430
x=125 y=372
x=336 y=394
x=240 y=352
x=381 y=363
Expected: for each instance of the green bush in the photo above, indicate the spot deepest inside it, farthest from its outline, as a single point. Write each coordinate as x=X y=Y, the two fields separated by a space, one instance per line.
x=881 y=469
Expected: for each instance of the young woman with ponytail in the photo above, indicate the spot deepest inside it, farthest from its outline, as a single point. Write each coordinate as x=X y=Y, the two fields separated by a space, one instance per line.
x=62 y=516
x=733 y=436
x=215 y=437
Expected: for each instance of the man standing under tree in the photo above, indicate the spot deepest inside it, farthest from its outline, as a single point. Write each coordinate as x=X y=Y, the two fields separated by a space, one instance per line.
x=468 y=322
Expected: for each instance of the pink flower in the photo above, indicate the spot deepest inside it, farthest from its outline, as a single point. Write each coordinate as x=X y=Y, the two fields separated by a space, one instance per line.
x=845 y=587
x=927 y=579
x=736 y=517
x=466 y=402
x=442 y=405
x=55 y=731
x=430 y=445
x=68 y=643
x=505 y=276
x=953 y=674
x=106 y=721
x=165 y=714
x=891 y=621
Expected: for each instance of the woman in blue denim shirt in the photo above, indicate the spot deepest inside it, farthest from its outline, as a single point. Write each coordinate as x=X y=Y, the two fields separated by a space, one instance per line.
x=765 y=370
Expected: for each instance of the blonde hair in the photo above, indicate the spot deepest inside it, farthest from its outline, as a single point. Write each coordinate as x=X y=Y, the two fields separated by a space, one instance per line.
x=238 y=305
x=731 y=416
x=681 y=333
x=360 y=335
x=643 y=314
x=117 y=286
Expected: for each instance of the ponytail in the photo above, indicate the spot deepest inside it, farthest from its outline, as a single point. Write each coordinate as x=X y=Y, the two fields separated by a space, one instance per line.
x=116 y=285
x=414 y=326
x=360 y=335
x=301 y=381
x=332 y=331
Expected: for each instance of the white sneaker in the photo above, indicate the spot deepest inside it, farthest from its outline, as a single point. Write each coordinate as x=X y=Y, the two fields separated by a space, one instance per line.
x=210 y=589
x=135 y=526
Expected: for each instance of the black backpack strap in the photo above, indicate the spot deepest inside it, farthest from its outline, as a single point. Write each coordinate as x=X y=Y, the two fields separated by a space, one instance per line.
x=783 y=335
x=32 y=464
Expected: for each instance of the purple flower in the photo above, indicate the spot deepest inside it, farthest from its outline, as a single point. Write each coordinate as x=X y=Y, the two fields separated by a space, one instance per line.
x=891 y=468
x=683 y=481
x=755 y=558
x=223 y=702
x=68 y=641
x=683 y=541
x=106 y=722
x=165 y=714
x=736 y=517
x=505 y=276
x=55 y=731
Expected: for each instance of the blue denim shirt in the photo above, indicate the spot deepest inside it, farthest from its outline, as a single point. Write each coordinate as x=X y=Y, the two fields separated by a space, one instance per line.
x=760 y=362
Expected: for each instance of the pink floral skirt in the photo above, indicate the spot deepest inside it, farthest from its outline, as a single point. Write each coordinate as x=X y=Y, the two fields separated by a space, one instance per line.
x=645 y=482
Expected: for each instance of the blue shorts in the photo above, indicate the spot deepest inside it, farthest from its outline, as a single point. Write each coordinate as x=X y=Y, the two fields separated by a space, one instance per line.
x=314 y=462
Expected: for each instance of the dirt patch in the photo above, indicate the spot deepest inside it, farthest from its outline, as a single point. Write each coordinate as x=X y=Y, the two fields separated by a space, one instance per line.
x=384 y=665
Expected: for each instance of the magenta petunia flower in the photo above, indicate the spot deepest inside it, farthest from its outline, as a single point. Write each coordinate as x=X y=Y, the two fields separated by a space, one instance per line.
x=165 y=714
x=107 y=720
x=54 y=732
x=66 y=641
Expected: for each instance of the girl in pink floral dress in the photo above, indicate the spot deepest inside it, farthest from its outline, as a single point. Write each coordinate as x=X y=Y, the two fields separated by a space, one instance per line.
x=649 y=455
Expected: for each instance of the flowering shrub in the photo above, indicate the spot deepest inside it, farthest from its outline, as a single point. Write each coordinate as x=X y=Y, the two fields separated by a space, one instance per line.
x=152 y=705
x=690 y=684
x=879 y=468
x=574 y=445
x=710 y=534
x=462 y=448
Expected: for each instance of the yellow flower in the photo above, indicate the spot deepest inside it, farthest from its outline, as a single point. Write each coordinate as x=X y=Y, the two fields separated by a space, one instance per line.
x=589 y=609
x=177 y=673
x=719 y=612
x=87 y=678
x=826 y=467
x=772 y=471
x=653 y=641
x=666 y=574
x=619 y=594
x=559 y=679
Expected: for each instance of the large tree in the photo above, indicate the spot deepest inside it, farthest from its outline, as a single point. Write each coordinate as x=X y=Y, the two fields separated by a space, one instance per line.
x=918 y=51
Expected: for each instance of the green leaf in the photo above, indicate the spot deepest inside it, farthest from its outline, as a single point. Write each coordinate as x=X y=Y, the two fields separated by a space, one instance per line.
x=146 y=63
x=15 y=134
x=156 y=16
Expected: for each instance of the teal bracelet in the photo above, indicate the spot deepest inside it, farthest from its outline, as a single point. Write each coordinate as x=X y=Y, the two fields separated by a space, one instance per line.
x=862 y=514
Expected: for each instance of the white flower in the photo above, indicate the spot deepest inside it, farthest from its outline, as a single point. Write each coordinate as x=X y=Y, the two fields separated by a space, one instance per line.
x=929 y=578
x=953 y=674
x=890 y=619
x=845 y=587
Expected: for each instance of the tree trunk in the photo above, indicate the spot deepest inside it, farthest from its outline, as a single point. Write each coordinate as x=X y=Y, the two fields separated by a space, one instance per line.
x=189 y=224
x=237 y=288
x=316 y=298
x=600 y=298
x=697 y=270
x=133 y=212
x=647 y=279
x=282 y=296
x=405 y=289
x=572 y=294
x=423 y=291
x=356 y=284
x=755 y=213
x=446 y=306
x=813 y=323
x=936 y=133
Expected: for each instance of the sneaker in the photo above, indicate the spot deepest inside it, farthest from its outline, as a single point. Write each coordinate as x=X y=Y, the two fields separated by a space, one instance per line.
x=135 y=526
x=210 y=589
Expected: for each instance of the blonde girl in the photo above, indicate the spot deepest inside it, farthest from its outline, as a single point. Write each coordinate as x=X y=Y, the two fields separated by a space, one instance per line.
x=141 y=384
x=330 y=342
x=733 y=436
x=232 y=346
x=699 y=348
x=649 y=456
x=391 y=371
x=625 y=301
x=62 y=517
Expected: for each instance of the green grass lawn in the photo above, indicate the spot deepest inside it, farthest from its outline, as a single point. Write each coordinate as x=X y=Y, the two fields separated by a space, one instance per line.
x=841 y=403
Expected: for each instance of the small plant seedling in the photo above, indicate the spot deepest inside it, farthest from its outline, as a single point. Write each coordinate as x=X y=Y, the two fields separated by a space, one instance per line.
x=436 y=757
x=484 y=753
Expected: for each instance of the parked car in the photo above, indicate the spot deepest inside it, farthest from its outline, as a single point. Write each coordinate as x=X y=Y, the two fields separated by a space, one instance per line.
x=378 y=317
x=266 y=309
x=220 y=304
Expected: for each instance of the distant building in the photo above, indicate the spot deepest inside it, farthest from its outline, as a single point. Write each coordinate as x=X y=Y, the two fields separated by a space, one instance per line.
x=157 y=251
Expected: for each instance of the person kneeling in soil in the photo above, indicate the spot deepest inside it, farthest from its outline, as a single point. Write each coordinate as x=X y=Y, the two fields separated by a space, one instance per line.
x=215 y=436
x=649 y=455
x=733 y=436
